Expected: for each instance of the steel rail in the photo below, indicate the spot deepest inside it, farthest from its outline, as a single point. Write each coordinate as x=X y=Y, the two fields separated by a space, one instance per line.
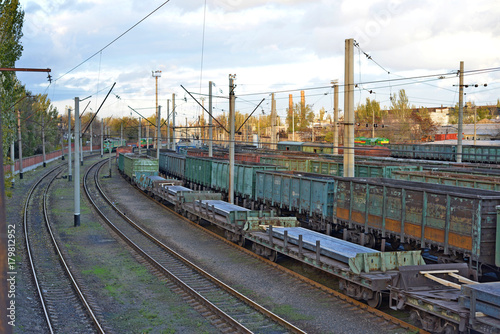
x=221 y=284
x=73 y=281
x=376 y=312
x=28 y=247
x=187 y=289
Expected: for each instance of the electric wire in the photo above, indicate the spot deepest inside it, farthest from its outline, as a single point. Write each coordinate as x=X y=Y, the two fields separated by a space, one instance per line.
x=113 y=41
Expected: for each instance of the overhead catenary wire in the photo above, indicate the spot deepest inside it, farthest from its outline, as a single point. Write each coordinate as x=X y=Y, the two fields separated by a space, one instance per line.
x=113 y=41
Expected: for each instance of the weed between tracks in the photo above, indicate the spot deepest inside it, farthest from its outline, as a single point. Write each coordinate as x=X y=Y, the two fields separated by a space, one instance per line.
x=130 y=297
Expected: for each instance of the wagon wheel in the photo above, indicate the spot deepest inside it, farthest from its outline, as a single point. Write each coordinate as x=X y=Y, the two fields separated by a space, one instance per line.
x=376 y=301
x=241 y=241
x=273 y=257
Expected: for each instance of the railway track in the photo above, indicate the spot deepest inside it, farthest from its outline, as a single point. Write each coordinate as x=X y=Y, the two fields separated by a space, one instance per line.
x=65 y=307
x=223 y=306
x=365 y=311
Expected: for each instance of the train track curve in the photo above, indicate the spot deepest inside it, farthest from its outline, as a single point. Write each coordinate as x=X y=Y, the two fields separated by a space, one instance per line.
x=65 y=307
x=226 y=308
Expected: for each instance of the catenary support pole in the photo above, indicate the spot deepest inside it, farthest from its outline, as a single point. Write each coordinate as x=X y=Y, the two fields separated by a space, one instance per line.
x=77 y=165
x=70 y=171
x=173 y=122
x=43 y=140
x=12 y=159
x=20 y=144
x=102 y=137
x=349 y=109
x=168 y=123
x=460 y=112
x=81 y=140
x=91 y=137
x=210 y=131
x=231 y=138
x=139 y=144
x=158 y=133
x=335 y=117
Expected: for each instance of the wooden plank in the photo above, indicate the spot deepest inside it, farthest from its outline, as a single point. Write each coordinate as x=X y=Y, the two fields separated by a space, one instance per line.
x=462 y=279
x=439 y=272
x=443 y=281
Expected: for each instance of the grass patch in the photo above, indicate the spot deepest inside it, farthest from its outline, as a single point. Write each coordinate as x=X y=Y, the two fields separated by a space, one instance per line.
x=290 y=312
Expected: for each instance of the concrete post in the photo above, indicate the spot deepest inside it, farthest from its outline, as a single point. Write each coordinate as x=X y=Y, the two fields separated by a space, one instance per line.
x=349 y=109
x=460 y=112
x=70 y=177
x=77 y=166
x=210 y=132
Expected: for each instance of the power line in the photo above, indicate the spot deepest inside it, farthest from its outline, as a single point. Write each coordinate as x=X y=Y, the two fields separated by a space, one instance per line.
x=117 y=38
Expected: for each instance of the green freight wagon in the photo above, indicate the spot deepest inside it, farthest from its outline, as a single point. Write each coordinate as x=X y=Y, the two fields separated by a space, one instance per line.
x=290 y=146
x=452 y=179
x=456 y=220
x=244 y=176
x=135 y=165
x=308 y=194
x=334 y=167
x=483 y=154
x=198 y=170
x=172 y=164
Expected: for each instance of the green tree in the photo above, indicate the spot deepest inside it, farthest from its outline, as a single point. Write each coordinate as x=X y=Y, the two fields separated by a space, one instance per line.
x=302 y=116
x=11 y=22
x=400 y=110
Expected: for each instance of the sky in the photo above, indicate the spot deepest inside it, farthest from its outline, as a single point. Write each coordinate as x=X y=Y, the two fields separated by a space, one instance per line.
x=281 y=46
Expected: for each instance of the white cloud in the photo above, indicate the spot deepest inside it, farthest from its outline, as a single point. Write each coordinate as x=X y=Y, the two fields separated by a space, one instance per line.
x=270 y=45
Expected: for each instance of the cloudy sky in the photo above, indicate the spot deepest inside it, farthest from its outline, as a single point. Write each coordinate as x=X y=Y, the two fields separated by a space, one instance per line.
x=279 y=46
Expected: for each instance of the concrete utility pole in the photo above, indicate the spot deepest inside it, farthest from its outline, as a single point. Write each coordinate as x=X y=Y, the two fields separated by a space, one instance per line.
x=121 y=133
x=335 y=117
x=102 y=137
x=156 y=74
x=291 y=113
x=139 y=141
x=475 y=122
x=168 y=123
x=158 y=133
x=77 y=166
x=349 y=109
x=20 y=144
x=210 y=131
x=62 y=141
x=81 y=140
x=109 y=157
x=43 y=139
x=12 y=159
x=231 y=138
x=173 y=122
x=91 y=137
x=273 y=122
x=460 y=112
x=70 y=177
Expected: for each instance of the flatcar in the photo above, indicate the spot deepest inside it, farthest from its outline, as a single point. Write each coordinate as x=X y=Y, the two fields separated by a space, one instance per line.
x=440 y=298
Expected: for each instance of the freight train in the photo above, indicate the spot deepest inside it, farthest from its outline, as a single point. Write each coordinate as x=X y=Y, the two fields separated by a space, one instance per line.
x=441 y=298
x=380 y=147
x=454 y=223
